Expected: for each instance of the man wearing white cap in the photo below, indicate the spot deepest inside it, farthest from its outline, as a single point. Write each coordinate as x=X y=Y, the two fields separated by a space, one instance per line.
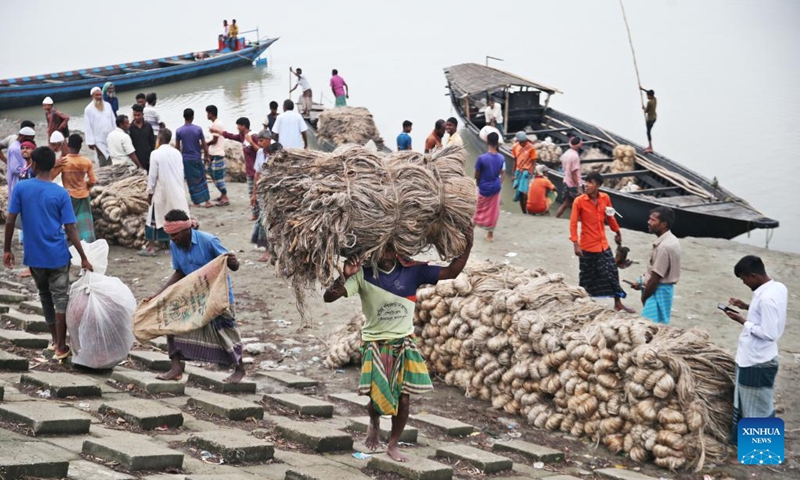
x=56 y=120
x=57 y=145
x=99 y=122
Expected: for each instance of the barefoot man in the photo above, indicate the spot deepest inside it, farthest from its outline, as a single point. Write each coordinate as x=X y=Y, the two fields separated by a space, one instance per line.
x=219 y=341
x=388 y=298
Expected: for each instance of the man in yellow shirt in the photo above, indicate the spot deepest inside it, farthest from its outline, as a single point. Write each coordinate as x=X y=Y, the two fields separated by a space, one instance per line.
x=77 y=175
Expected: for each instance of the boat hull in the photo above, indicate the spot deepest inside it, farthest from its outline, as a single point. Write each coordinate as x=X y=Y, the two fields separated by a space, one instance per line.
x=28 y=95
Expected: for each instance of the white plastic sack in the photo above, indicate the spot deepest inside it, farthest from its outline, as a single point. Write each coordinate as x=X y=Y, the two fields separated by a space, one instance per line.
x=100 y=320
x=96 y=252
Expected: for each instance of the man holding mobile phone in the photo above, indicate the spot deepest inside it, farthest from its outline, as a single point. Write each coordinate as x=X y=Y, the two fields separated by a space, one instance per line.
x=757 y=353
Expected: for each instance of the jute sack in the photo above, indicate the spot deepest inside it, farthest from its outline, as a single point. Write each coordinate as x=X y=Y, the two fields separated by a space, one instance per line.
x=187 y=305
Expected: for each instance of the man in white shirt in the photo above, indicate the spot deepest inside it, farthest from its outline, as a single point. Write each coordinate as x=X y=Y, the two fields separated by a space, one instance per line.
x=98 y=119
x=151 y=115
x=757 y=353
x=494 y=116
x=290 y=128
x=120 y=145
x=216 y=154
x=305 y=87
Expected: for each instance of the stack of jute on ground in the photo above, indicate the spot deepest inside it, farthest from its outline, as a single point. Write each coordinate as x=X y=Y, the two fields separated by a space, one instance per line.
x=354 y=203
x=344 y=346
x=538 y=347
x=119 y=209
x=343 y=125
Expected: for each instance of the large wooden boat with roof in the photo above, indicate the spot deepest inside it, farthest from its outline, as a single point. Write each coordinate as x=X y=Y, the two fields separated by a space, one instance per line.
x=27 y=91
x=702 y=207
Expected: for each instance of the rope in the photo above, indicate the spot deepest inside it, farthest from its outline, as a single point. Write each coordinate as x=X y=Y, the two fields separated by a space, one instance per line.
x=633 y=54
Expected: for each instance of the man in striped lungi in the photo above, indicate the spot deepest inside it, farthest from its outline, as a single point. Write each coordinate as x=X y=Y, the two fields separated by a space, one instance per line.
x=392 y=365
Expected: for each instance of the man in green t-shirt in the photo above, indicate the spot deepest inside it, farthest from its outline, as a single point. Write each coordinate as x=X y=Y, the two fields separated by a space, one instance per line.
x=392 y=365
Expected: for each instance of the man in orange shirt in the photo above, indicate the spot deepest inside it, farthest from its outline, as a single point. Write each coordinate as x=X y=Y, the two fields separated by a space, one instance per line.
x=77 y=175
x=598 y=270
x=434 y=140
x=524 y=159
x=539 y=193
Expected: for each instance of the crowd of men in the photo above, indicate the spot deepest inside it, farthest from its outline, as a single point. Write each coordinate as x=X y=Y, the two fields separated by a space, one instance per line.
x=49 y=216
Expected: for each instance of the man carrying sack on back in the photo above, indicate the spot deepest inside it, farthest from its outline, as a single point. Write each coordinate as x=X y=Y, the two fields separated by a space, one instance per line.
x=219 y=340
x=392 y=366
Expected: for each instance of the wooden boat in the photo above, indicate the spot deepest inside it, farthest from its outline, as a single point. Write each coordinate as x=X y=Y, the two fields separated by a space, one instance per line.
x=314 y=142
x=26 y=91
x=702 y=207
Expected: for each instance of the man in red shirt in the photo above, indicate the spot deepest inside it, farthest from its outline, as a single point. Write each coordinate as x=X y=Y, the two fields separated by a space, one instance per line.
x=598 y=270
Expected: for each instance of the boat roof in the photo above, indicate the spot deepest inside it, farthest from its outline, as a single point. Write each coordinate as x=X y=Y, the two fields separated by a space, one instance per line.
x=472 y=78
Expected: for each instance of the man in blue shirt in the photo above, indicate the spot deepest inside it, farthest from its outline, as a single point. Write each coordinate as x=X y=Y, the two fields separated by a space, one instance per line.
x=219 y=341
x=46 y=212
x=404 y=139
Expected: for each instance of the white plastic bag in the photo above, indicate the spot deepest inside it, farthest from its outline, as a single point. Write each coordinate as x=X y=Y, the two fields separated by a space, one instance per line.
x=96 y=252
x=100 y=320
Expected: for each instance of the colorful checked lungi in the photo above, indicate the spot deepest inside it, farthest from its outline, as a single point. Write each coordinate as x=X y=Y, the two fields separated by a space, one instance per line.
x=599 y=275
x=659 y=305
x=753 y=393
x=84 y=222
x=216 y=169
x=218 y=342
x=487 y=211
x=391 y=368
x=195 y=173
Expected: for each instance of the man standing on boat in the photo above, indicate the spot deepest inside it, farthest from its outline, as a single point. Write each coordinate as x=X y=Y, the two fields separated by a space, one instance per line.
x=658 y=283
x=233 y=38
x=494 y=116
x=571 y=166
x=216 y=153
x=650 y=116
x=340 y=89
x=305 y=87
x=99 y=121
x=524 y=155
x=598 y=270
x=451 y=127
x=434 y=140
x=56 y=120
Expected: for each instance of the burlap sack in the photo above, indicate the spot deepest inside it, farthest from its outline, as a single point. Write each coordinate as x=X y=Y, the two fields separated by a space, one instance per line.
x=187 y=305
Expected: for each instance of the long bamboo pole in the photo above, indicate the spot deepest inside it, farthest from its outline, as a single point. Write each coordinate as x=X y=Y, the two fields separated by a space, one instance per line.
x=633 y=53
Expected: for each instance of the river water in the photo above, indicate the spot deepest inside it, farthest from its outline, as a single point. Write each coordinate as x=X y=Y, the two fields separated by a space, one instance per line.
x=724 y=71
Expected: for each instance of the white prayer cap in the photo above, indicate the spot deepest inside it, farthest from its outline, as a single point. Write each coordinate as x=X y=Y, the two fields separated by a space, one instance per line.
x=57 y=137
x=28 y=132
x=47 y=101
x=95 y=89
x=266 y=121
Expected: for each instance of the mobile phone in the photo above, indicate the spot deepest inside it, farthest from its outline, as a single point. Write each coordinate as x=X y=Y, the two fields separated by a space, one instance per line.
x=725 y=308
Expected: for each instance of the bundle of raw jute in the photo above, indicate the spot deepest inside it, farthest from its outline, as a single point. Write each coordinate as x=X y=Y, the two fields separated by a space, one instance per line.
x=355 y=203
x=343 y=125
x=546 y=151
x=592 y=154
x=537 y=347
x=119 y=210
x=113 y=173
x=624 y=161
x=344 y=346
x=234 y=161
x=3 y=204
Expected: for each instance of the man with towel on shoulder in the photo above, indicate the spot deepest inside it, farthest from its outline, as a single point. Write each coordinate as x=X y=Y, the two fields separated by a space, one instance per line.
x=757 y=353
x=524 y=159
x=219 y=341
x=388 y=297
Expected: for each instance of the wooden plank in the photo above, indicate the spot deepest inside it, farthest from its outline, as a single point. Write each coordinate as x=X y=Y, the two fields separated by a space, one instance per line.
x=633 y=173
x=50 y=80
x=597 y=160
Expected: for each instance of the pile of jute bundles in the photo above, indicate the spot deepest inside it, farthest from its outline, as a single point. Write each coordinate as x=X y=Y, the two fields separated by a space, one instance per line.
x=535 y=346
x=234 y=161
x=546 y=151
x=624 y=161
x=353 y=203
x=343 y=125
x=119 y=208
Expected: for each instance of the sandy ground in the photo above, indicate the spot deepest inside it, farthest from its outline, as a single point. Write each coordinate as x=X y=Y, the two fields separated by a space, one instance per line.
x=263 y=299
